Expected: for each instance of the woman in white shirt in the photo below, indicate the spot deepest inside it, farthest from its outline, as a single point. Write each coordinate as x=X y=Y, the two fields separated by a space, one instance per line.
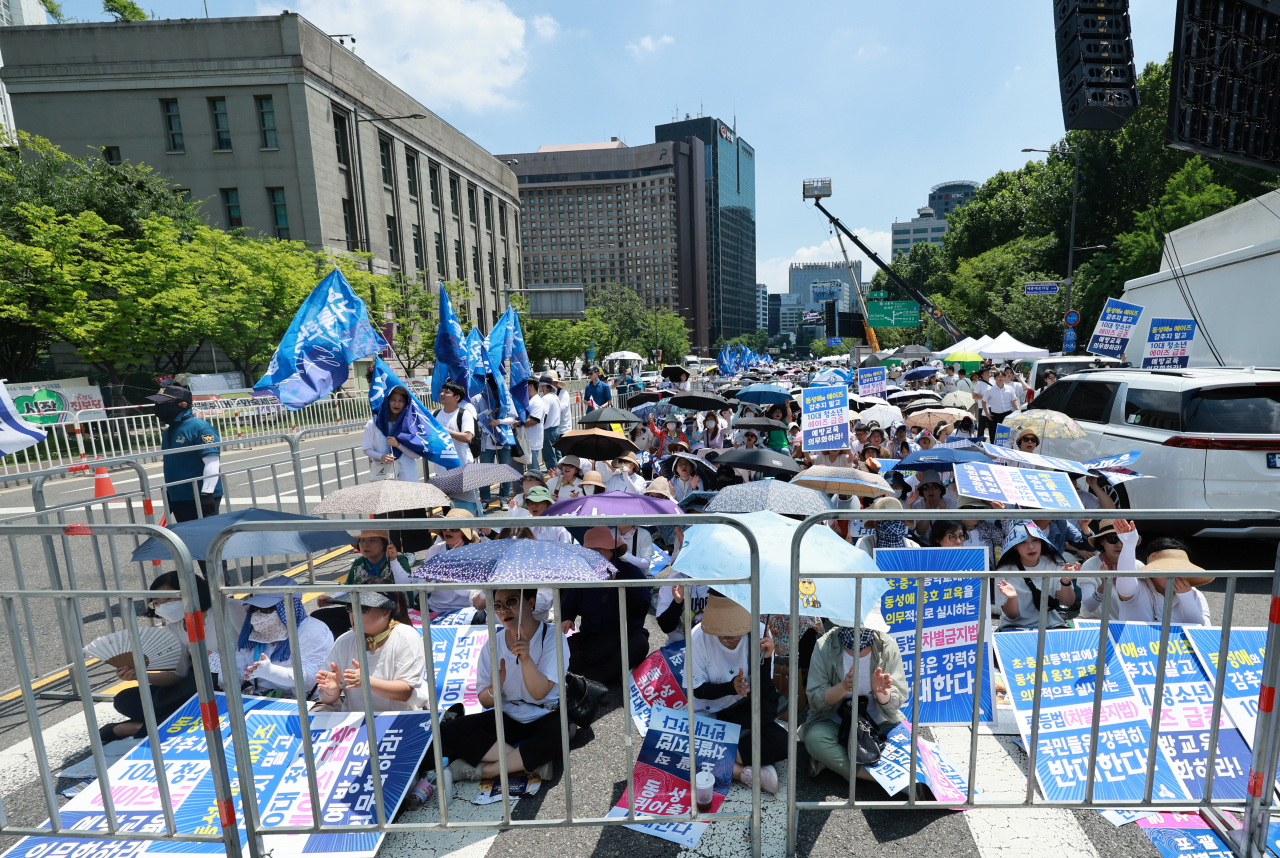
x=1019 y=596
x=569 y=484
x=625 y=478
x=264 y=657
x=389 y=459
x=1139 y=600
x=715 y=435
x=684 y=479
x=527 y=682
x=393 y=653
x=450 y=538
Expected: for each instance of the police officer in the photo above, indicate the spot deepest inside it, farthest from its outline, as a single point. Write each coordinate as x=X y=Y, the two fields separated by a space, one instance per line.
x=185 y=431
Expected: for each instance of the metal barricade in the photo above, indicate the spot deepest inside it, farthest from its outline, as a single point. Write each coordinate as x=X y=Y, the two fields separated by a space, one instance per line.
x=1261 y=782
x=67 y=603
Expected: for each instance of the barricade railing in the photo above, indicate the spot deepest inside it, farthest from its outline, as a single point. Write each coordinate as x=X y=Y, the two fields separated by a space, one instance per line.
x=1266 y=741
x=67 y=603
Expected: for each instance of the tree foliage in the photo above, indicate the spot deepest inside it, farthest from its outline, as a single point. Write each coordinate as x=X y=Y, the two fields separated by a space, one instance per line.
x=124 y=10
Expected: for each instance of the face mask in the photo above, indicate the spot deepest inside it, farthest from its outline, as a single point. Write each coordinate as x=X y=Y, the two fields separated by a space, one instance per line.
x=167 y=412
x=267 y=627
x=170 y=612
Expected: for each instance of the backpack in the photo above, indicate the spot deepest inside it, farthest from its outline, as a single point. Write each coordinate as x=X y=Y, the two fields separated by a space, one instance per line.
x=475 y=445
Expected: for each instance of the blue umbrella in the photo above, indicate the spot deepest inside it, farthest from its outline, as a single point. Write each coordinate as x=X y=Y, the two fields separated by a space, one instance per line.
x=921 y=372
x=720 y=551
x=199 y=533
x=774 y=495
x=939 y=458
x=764 y=394
x=515 y=561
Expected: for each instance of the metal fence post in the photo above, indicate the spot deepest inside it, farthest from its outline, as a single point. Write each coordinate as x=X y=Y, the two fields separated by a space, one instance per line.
x=1262 y=769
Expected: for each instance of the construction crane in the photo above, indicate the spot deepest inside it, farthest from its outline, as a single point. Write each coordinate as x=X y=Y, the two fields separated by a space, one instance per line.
x=817 y=190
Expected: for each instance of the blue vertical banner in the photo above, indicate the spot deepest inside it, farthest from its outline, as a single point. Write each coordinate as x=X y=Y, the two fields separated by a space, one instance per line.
x=1115 y=327
x=452 y=362
x=825 y=418
x=1242 y=675
x=1169 y=344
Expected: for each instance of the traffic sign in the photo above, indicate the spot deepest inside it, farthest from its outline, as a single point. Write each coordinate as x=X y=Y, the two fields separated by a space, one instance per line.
x=1042 y=287
x=1069 y=340
x=1072 y=318
x=893 y=314
x=834 y=341
x=877 y=296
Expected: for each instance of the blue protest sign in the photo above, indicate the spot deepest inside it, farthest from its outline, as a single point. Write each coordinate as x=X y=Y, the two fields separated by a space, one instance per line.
x=871 y=382
x=1184 y=835
x=1004 y=436
x=1115 y=327
x=934 y=768
x=1039 y=489
x=825 y=418
x=948 y=646
x=1242 y=676
x=1169 y=343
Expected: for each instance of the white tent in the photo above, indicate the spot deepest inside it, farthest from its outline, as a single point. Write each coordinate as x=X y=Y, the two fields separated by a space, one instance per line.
x=968 y=344
x=1005 y=347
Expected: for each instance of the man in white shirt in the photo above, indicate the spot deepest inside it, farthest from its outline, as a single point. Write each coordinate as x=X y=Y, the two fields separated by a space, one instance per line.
x=458 y=419
x=963 y=383
x=533 y=426
x=550 y=425
x=565 y=401
x=949 y=381
x=1019 y=389
x=999 y=400
x=981 y=384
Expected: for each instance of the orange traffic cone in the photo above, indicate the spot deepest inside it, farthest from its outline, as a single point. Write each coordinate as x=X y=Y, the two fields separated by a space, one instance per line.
x=102 y=486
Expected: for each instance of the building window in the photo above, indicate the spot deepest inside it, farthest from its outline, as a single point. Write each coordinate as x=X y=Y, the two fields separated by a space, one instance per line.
x=440 y=272
x=453 y=198
x=411 y=174
x=434 y=174
x=417 y=246
x=348 y=218
x=457 y=259
x=475 y=265
x=231 y=202
x=384 y=154
x=493 y=272
x=502 y=219
x=221 y=125
x=393 y=240
x=279 y=213
x=488 y=212
x=267 y=122
x=506 y=270
x=172 y=126
x=340 y=138
x=111 y=154
x=183 y=194
x=471 y=204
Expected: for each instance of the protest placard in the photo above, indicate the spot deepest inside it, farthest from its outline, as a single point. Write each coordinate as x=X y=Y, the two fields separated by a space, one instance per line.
x=456 y=652
x=1115 y=327
x=825 y=418
x=1242 y=680
x=658 y=681
x=871 y=382
x=1168 y=345
x=1004 y=435
x=1186 y=711
x=342 y=770
x=934 y=768
x=1183 y=835
x=1039 y=489
x=1068 y=674
x=948 y=649
x=662 y=772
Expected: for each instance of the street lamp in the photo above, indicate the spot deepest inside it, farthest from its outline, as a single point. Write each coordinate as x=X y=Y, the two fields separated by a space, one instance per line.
x=364 y=199
x=1071 y=241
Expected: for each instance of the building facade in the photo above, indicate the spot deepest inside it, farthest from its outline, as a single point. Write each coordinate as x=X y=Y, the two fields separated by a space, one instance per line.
x=930 y=223
x=762 y=307
x=280 y=130
x=775 y=314
x=597 y=213
x=730 y=190
x=16 y=13
x=949 y=196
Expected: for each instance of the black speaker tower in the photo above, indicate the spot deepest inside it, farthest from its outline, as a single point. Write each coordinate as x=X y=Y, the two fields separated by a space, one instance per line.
x=1095 y=64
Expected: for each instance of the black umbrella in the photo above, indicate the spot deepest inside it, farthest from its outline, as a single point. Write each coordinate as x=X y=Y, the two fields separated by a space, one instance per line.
x=595 y=444
x=609 y=415
x=869 y=362
x=673 y=373
x=645 y=397
x=730 y=392
x=759 y=423
x=704 y=469
x=913 y=351
x=700 y=401
x=763 y=461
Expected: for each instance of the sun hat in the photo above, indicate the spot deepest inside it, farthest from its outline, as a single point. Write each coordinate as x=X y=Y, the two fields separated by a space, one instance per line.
x=1105 y=527
x=266 y=600
x=535 y=475
x=458 y=512
x=1024 y=530
x=671 y=446
x=385 y=534
x=547 y=380
x=538 y=494
x=1170 y=560
x=571 y=459
x=930 y=477
x=1024 y=433
x=368 y=599
x=593 y=478
x=661 y=487
x=628 y=457
x=725 y=617
x=874 y=621
x=602 y=537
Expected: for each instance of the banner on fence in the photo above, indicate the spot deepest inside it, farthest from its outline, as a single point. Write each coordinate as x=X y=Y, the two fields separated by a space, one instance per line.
x=825 y=418
x=48 y=402
x=948 y=648
x=662 y=772
x=456 y=651
x=933 y=767
x=658 y=681
x=1068 y=675
x=1242 y=681
x=1039 y=489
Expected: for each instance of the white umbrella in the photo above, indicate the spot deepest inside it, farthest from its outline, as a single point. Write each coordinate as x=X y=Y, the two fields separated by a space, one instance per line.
x=623 y=356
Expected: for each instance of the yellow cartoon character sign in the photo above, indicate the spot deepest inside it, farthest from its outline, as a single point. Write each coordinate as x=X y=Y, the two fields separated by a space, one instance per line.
x=807 y=589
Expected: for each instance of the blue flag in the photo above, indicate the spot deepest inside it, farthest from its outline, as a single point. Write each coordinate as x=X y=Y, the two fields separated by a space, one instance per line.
x=415 y=429
x=330 y=330
x=506 y=346
x=451 y=349
x=477 y=363
x=488 y=391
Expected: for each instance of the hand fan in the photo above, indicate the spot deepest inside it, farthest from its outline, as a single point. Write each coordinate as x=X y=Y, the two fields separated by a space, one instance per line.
x=161 y=650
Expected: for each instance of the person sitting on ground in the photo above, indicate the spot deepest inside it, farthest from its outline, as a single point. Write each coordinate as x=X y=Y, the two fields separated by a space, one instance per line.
x=1139 y=600
x=569 y=483
x=451 y=537
x=930 y=494
x=592 y=483
x=263 y=653
x=625 y=478
x=1189 y=605
x=885 y=534
x=537 y=502
x=528 y=685
x=596 y=649
x=990 y=534
x=863 y=668
x=1027 y=441
x=684 y=479
x=378 y=563
x=1019 y=596
x=393 y=654
x=720 y=656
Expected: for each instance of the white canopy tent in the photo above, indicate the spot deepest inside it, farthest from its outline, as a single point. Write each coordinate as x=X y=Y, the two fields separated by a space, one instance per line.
x=968 y=344
x=1005 y=347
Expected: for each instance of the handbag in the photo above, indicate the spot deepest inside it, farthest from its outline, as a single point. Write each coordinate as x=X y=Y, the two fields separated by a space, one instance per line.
x=381 y=471
x=581 y=696
x=871 y=740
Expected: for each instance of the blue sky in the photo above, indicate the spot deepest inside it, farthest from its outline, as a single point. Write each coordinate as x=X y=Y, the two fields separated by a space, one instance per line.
x=887 y=99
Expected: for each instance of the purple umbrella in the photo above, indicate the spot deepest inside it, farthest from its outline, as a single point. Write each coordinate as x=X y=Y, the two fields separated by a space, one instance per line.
x=456 y=481
x=614 y=503
x=515 y=561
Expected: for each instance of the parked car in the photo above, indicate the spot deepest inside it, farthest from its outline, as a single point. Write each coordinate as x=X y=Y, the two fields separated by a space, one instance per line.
x=650 y=380
x=1210 y=437
x=1033 y=369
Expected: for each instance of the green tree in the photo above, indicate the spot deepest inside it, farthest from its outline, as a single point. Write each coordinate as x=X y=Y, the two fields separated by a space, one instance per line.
x=54 y=10
x=124 y=10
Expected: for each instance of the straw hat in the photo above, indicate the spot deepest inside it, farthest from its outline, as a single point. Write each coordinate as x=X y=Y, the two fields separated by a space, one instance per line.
x=593 y=478
x=1170 y=560
x=628 y=457
x=1024 y=433
x=385 y=534
x=662 y=488
x=467 y=532
x=725 y=617
x=677 y=444
x=1106 y=526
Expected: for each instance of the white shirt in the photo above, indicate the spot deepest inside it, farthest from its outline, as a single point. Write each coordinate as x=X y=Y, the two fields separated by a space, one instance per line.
x=566 y=412
x=314 y=642
x=562 y=490
x=551 y=403
x=517 y=702
x=947 y=503
x=1000 y=399
x=964 y=384
x=538 y=412
x=621 y=482
x=639 y=545
x=712 y=663
x=549 y=534
x=980 y=387
x=400 y=657
x=375 y=446
x=463 y=419
x=444 y=600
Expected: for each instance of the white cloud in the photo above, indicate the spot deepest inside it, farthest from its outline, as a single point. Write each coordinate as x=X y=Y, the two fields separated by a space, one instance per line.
x=467 y=53
x=546 y=26
x=773 y=271
x=649 y=45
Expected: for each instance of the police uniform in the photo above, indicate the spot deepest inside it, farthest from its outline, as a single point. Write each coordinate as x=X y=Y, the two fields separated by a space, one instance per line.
x=189 y=432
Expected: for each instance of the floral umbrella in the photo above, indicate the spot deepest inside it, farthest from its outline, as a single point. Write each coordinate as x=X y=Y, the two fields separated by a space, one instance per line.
x=515 y=561
x=769 y=494
x=1045 y=423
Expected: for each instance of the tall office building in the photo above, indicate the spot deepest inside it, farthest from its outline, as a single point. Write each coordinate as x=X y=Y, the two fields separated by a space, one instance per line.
x=949 y=196
x=595 y=213
x=16 y=13
x=730 y=176
x=802 y=275
x=762 y=307
x=275 y=124
x=775 y=314
x=930 y=222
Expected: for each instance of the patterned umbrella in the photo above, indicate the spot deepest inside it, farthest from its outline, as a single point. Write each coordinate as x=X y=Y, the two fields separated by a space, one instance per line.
x=927 y=418
x=843 y=481
x=770 y=494
x=959 y=399
x=614 y=503
x=515 y=561
x=1045 y=423
x=379 y=497
x=608 y=415
x=455 y=481
x=696 y=501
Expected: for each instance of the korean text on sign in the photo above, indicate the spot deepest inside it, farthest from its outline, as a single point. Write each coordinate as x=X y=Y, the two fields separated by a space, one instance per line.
x=825 y=413
x=1114 y=328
